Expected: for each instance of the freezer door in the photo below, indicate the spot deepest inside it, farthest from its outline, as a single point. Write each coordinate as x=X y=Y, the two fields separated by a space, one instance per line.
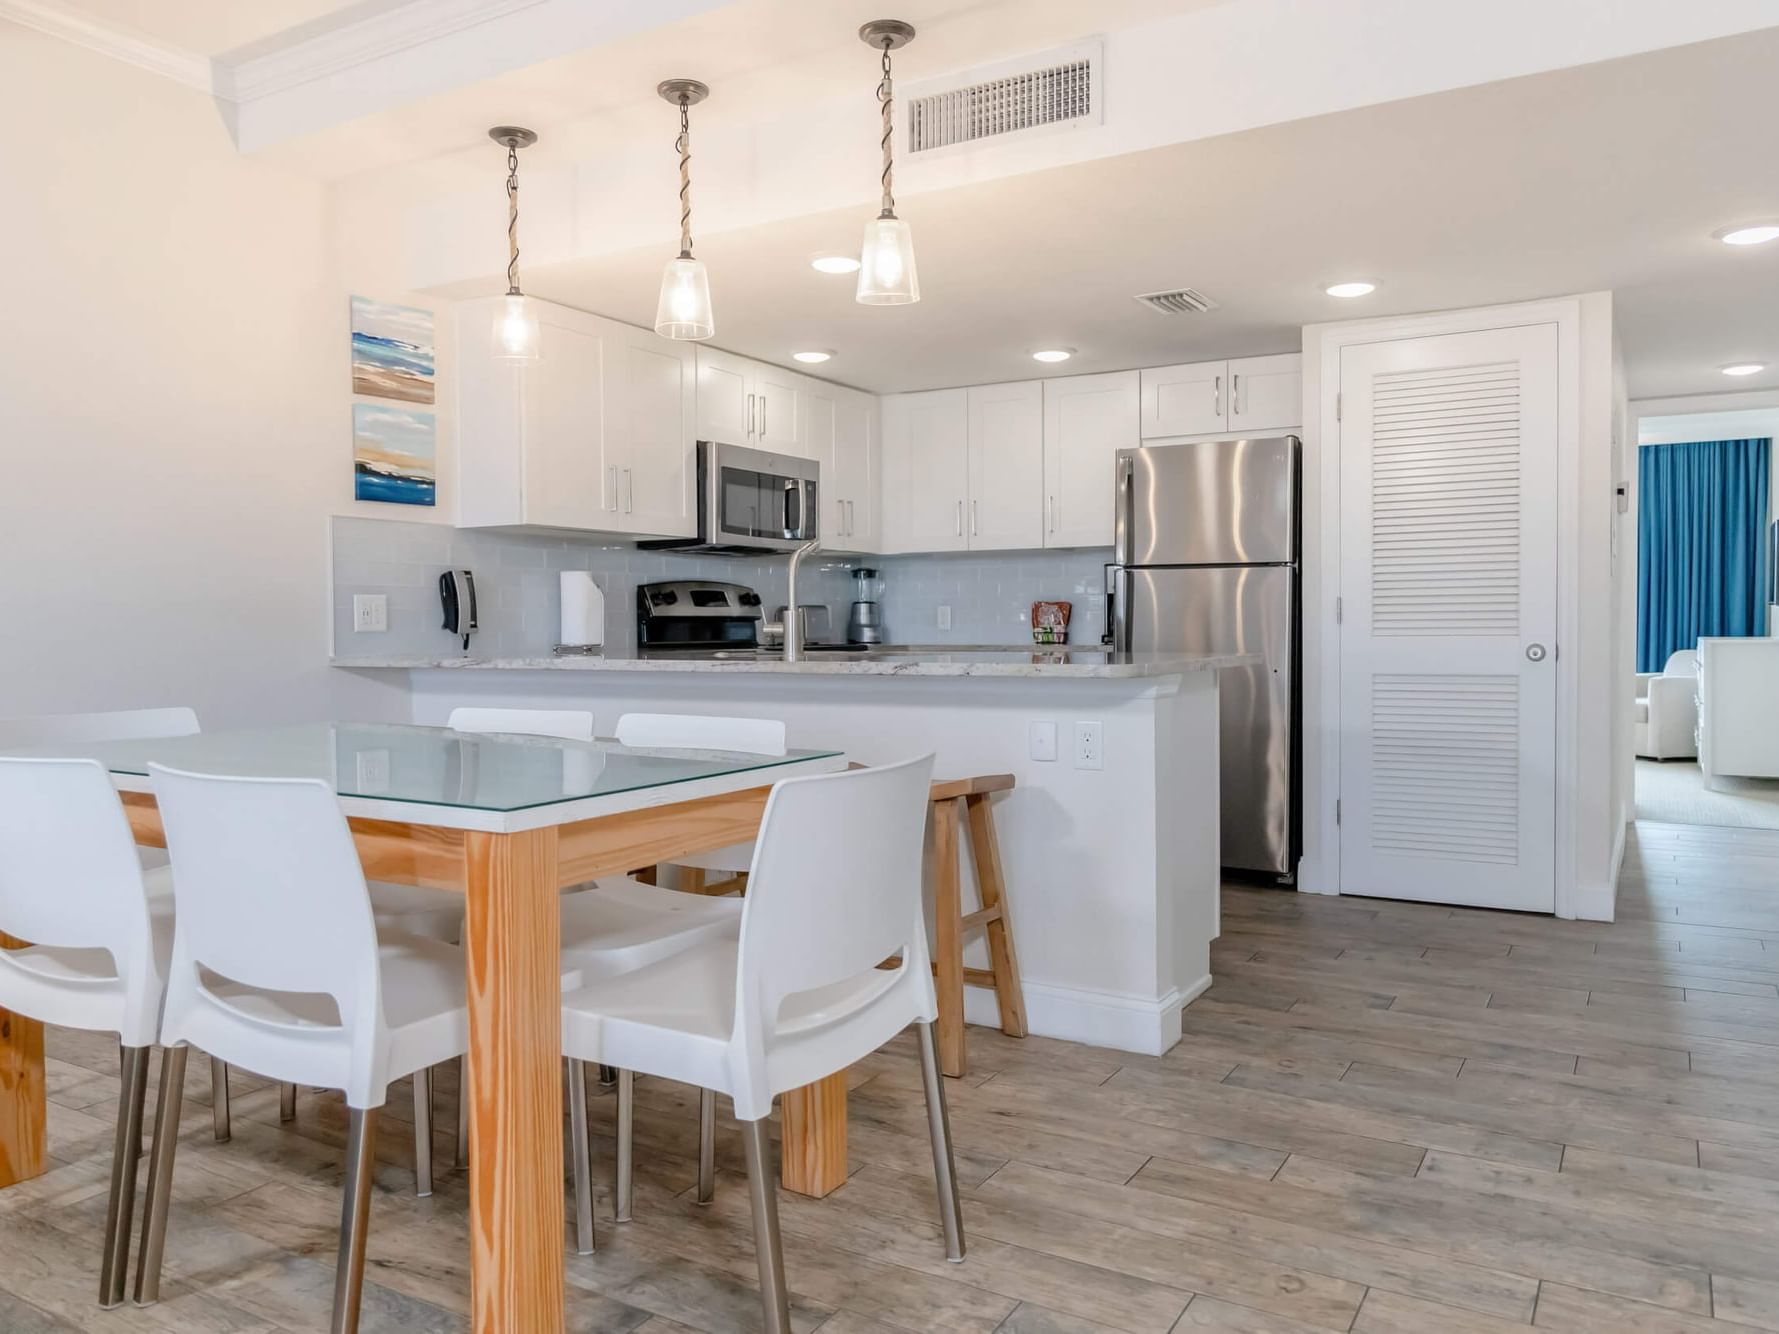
x=1228 y=502
x=1248 y=609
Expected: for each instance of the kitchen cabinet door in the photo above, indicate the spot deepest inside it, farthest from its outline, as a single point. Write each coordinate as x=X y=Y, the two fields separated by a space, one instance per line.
x=1185 y=400
x=726 y=404
x=1087 y=420
x=1006 y=506
x=778 y=410
x=926 y=470
x=1266 y=394
x=652 y=411
x=840 y=433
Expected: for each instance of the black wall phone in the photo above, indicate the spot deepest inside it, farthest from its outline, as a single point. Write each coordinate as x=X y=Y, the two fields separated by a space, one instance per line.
x=457 y=593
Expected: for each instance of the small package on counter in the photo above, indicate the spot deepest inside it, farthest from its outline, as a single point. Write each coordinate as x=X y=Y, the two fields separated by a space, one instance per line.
x=1050 y=622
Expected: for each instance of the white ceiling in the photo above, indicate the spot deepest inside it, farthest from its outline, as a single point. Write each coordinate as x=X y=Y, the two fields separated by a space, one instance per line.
x=1610 y=176
x=209 y=27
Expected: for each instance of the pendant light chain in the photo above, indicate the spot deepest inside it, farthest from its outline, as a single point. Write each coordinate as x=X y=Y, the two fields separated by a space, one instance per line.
x=513 y=220
x=684 y=146
x=886 y=95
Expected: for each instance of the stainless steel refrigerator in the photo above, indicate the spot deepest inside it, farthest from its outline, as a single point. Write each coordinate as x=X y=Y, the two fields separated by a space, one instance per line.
x=1207 y=562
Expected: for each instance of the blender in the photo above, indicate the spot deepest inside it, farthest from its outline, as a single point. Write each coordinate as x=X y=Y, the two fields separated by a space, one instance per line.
x=864 y=625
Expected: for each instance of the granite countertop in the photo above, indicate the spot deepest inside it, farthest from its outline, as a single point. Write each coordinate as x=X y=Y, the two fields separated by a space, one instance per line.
x=1064 y=662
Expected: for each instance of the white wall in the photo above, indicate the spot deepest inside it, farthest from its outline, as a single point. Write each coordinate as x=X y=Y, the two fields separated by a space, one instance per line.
x=174 y=420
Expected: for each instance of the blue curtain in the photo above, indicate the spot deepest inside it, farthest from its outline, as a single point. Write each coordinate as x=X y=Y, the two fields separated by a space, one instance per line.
x=1701 y=564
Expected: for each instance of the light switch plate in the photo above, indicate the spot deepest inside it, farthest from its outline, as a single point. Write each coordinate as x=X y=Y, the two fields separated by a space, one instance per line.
x=372 y=768
x=1041 y=737
x=370 y=611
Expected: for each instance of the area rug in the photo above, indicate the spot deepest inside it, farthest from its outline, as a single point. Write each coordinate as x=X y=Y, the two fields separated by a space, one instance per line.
x=1674 y=792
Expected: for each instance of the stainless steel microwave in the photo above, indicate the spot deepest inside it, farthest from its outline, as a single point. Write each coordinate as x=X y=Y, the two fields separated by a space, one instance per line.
x=755 y=500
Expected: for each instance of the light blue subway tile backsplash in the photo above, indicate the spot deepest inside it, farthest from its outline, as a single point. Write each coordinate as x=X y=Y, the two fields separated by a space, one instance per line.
x=989 y=594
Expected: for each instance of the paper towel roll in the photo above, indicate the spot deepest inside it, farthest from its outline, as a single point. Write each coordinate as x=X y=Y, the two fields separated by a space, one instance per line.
x=583 y=610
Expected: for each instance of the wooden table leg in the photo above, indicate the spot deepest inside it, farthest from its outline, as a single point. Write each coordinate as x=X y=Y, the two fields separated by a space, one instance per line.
x=812 y=1152
x=22 y=1104
x=512 y=945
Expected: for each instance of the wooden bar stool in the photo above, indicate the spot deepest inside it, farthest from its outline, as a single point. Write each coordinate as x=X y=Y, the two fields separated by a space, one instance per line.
x=954 y=802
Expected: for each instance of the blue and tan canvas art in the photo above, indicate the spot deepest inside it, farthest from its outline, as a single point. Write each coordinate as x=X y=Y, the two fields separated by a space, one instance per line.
x=394 y=455
x=392 y=351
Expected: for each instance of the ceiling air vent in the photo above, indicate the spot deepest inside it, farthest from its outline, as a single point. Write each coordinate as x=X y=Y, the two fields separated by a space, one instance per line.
x=1054 y=89
x=1178 y=301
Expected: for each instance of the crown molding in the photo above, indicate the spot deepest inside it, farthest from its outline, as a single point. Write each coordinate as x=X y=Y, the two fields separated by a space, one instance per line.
x=276 y=67
x=55 y=19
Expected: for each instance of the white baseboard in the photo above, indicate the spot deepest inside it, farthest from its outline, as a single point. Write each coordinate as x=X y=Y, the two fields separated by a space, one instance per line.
x=1097 y=1018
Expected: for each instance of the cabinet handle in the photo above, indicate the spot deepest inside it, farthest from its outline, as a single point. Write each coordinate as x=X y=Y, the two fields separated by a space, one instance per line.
x=762 y=430
x=840 y=518
x=1235 y=395
x=1050 y=504
x=629 y=491
x=750 y=414
x=851 y=522
x=615 y=503
x=960 y=518
x=975 y=517
x=1217 y=397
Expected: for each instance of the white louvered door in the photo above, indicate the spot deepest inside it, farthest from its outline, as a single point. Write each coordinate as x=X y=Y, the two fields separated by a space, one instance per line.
x=1448 y=449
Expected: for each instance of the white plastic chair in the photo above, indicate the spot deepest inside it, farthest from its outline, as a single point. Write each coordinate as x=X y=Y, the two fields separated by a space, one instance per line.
x=71 y=884
x=685 y=731
x=277 y=967
x=835 y=889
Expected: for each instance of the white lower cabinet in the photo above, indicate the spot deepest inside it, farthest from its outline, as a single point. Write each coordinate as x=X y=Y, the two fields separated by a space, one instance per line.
x=596 y=434
x=1087 y=420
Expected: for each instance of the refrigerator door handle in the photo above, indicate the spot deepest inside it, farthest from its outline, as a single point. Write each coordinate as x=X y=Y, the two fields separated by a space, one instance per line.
x=1123 y=538
x=1118 y=589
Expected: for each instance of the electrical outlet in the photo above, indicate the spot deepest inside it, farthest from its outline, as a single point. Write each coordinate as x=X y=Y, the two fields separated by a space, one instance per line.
x=370 y=611
x=1090 y=746
x=945 y=618
x=1041 y=737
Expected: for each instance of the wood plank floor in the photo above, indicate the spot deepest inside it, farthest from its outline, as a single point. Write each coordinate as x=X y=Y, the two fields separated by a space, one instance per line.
x=1389 y=1118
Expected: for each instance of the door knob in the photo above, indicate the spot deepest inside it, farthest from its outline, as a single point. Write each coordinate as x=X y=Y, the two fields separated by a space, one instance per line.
x=1535 y=652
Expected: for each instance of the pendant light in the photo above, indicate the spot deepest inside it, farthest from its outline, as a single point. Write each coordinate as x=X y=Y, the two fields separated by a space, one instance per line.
x=684 y=308
x=515 y=319
x=886 y=261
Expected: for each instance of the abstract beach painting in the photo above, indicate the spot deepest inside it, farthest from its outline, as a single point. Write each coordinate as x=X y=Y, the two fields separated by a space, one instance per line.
x=394 y=455
x=392 y=351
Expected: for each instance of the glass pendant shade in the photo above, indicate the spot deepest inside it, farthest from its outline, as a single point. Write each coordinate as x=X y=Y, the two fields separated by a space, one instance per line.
x=886 y=264
x=684 y=308
x=515 y=329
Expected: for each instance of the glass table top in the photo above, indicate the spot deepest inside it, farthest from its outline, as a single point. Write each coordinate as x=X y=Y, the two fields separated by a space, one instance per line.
x=428 y=765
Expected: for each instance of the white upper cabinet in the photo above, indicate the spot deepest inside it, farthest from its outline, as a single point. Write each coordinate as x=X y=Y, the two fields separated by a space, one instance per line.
x=1006 y=441
x=926 y=470
x=1087 y=420
x=1266 y=394
x=594 y=435
x=1184 y=400
x=743 y=402
x=840 y=433
x=1244 y=397
x=651 y=414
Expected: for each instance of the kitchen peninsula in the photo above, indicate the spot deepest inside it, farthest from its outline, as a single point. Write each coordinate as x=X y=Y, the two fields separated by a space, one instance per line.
x=1110 y=847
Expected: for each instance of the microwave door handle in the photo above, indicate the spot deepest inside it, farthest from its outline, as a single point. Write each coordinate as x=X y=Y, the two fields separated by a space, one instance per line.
x=793 y=508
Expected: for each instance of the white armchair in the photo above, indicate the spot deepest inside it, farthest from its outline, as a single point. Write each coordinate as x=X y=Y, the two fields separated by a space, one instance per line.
x=1667 y=719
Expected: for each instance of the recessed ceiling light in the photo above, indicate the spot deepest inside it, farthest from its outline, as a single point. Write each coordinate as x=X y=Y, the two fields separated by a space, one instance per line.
x=835 y=263
x=1758 y=234
x=1053 y=354
x=811 y=358
x=1353 y=289
x=1743 y=368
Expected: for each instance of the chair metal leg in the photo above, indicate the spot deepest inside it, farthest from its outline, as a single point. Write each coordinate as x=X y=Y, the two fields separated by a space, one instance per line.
x=355 y=1217
x=462 y=1159
x=219 y=1099
x=287 y=1102
x=160 y=1174
x=120 y=1210
x=707 y=1146
x=581 y=1155
x=607 y=1076
x=423 y=1132
x=939 y=1128
x=626 y=1149
x=768 y=1247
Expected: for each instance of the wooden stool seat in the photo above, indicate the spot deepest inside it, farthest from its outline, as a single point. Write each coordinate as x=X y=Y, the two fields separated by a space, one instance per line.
x=957 y=801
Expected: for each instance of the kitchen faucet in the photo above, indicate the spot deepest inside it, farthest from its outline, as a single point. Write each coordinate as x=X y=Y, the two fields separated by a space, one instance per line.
x=791 y=626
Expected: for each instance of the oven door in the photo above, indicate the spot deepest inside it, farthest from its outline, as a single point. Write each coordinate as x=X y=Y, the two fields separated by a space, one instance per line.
x=750 y=498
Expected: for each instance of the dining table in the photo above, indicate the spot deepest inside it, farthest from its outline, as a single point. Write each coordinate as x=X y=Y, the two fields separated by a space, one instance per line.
x=509 y=822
